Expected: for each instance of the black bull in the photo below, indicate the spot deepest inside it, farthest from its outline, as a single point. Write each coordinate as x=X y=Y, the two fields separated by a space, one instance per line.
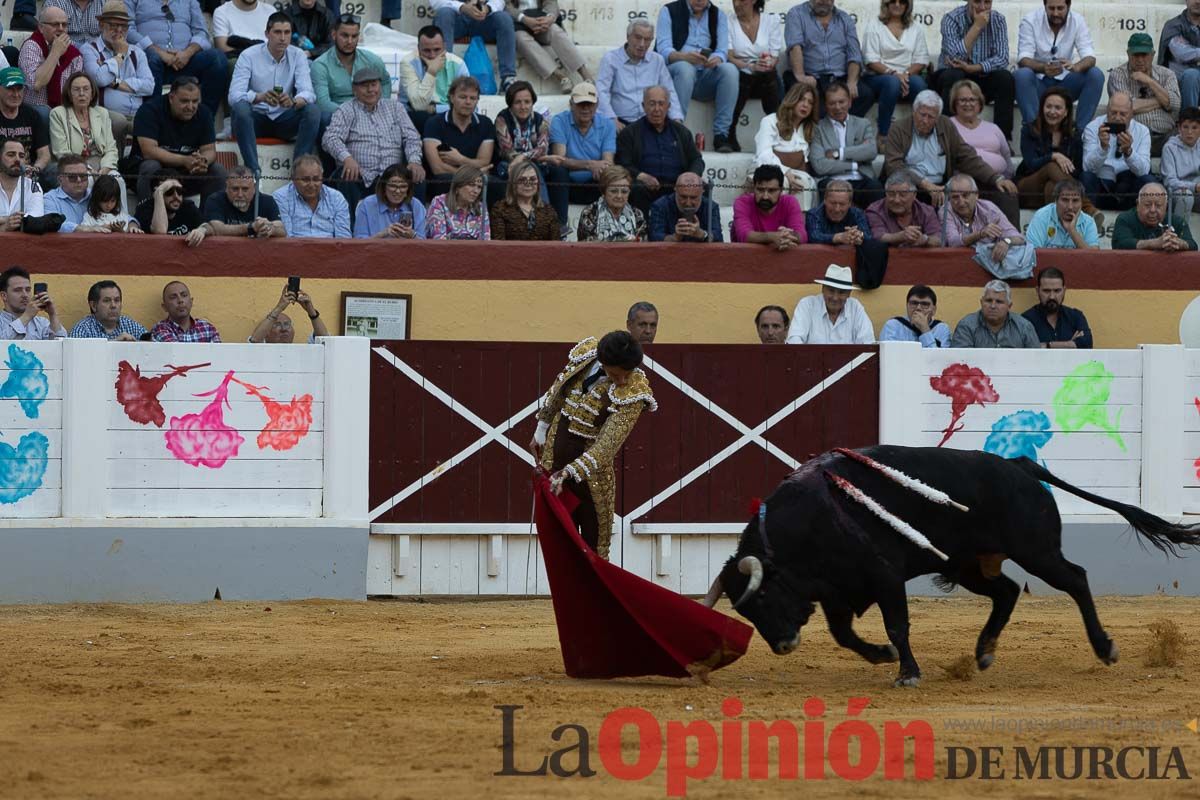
x=817 y=545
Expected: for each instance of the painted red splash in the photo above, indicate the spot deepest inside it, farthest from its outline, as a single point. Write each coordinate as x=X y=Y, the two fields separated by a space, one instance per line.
x=139 y=396
x=964 y=385
x=287 y=423
x=204 y=438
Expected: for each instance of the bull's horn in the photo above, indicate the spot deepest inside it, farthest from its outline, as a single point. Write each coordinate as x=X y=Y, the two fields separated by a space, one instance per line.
x=714 y=592
x=750 y=565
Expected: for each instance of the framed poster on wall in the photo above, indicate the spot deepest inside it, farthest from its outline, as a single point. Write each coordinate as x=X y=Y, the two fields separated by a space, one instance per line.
x=376 y=316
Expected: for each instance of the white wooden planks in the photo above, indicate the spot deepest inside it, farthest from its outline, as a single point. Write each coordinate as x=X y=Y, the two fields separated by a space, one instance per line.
x=31 y=408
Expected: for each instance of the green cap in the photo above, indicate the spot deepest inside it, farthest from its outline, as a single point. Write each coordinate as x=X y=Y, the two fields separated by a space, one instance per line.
x=1140 y=43
x=11 y=76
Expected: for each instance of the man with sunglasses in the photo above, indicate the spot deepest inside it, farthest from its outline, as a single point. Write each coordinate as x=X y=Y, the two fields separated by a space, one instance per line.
x=167 y=212
x=175 y=133
x=174 y=37
x=71 y=197
x=1048 y=38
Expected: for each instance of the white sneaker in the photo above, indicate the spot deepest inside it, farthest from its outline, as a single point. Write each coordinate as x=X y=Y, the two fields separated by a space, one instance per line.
x=226 y=129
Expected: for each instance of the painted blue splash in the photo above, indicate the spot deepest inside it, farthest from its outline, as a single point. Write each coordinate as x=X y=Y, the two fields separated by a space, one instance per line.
x=23 y=469
x=1022 y=433
x=27 y=381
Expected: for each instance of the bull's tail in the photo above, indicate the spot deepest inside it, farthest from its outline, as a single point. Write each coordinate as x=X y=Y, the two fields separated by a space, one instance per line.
x=1166 y=536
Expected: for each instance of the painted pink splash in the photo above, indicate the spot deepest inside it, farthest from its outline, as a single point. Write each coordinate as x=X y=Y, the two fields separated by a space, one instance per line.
x=1196 y=463
x=204 y=438
x=964 y=385
x=287 y=423
x=139 y=396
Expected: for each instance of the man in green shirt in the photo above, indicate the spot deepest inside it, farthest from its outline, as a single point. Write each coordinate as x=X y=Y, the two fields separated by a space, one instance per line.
x=1146 y=226
x=333 y=70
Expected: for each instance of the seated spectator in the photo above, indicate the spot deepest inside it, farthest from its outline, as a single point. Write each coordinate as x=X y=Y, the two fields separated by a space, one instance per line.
x=1153 y=87
x=783 y=139
x=628 y=71
x=106 y=320
x=82 y=25
x=122 y=71
x=1051 y=152
x=167 y=212
x=242 y=210
x=485 y=18
x=920 y=323
x=460 y=137
x=1180 y=50
x=20 y=196
x=686 y=215
x=71 y=197
x=823 y=49
x=930 y=146
x=48 y=58
x=180 y=325
x=79 y=127
x=238 y=24
x=1057 y=325
x=1046 y=40
x=896 y=53
x=642 y=322
x=461 y=212
x=104 y=214
x=971 y=220
x=174 y=37
x=693 y=37
x=521 y=132
x=836 y=220
x=1181 y=162
x=768 y=215
x=277 y=328
x=1063 y=223
x=900 y=219
x=426 y=80
x=312 y=26
x=993 y=325
x=176 y=133
x=308 y=207
x=19 y=319
x=21 y=123
x=987 y=140
x=582 y=146
x=657 y=150
x=333 y=71
x=975 y=46
x=833 y=316
x=271 y=94
x=545 y=46
x=368 y=135
x=521 y=215
x=1116 y=166
x=612 y=218
x=771 y=324
x=391 y=212
x=755 y=43
x=845 y=147
x=1146 y=227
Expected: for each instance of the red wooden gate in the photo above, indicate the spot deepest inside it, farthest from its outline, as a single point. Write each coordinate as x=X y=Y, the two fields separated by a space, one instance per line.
x=450 y=422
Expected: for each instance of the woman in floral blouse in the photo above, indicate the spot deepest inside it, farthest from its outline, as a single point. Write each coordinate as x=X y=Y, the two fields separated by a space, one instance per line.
x=612 y=218
x=460 y=213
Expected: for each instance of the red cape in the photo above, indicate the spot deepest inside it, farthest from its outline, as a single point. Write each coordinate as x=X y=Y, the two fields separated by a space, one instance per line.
x=613 y=624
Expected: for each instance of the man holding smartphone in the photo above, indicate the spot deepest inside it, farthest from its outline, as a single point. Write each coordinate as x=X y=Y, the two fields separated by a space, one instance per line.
x=685 y=215
x=277 y=328
x=23 y=301
x=1047 y=41
x=1116 y=156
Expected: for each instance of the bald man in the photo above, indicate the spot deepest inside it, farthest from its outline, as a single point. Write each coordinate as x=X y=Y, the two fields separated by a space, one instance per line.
x=1151 y=226
x=1116 y=155
x=685 y=215
x=46 y=72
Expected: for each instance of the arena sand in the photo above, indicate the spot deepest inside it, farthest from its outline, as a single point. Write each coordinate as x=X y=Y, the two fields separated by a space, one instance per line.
x=379 y=699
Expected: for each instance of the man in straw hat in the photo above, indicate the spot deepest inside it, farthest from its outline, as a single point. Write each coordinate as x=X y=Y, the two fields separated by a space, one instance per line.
x=122 y=72
x=833 y=316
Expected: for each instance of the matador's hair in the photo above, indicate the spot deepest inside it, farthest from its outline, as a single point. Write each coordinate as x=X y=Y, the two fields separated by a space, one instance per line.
x=619 y=349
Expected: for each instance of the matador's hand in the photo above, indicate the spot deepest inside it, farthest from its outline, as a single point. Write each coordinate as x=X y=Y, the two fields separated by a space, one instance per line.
x=536 y=449
x=556 y=482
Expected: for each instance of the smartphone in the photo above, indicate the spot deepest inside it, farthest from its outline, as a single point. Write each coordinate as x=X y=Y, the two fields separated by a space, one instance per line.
x=40 y=288
x=1115 y=128
x=277 y=89
x=706 y=52
x=442 y=148
x=294 y=284
x=405 y=219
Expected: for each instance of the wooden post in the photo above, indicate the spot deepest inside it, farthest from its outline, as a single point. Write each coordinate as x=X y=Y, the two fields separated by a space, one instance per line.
x=88 y=396
x=347 y=427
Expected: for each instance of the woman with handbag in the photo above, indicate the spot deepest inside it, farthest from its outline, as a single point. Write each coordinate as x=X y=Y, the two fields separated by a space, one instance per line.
x=545 y=45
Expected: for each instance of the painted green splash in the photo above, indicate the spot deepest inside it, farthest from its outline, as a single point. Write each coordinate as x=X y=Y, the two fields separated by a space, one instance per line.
x=1083 y=400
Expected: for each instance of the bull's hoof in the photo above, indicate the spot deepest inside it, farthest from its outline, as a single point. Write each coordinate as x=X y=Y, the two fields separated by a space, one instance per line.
x=891 y=653
x=1113 y=654
x=881 y=654
x=912 y=682
x=985 y=661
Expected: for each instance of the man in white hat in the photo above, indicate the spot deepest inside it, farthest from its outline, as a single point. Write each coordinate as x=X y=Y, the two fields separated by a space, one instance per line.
x=833 y=316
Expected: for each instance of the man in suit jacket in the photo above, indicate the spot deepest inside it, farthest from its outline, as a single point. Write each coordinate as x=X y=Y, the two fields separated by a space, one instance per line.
x=844 y=148
x=656 y=150
x=929 y=146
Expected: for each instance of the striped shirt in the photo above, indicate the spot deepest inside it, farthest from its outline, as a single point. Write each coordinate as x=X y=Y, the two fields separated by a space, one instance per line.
x=991 y=48
x=82 y=25
x=376 y=137
x=90 y=328
x=201 y=331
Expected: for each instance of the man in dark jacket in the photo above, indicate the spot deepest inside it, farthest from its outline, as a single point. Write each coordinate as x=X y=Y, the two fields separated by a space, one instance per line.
x=1179 y=49
x=312 y=23
x=656 y=150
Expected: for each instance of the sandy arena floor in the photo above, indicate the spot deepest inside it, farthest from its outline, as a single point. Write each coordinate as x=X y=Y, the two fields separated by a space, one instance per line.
x=395 y=700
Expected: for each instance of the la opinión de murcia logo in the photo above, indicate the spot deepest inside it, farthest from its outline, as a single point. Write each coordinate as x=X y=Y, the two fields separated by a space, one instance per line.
x=851 y=750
